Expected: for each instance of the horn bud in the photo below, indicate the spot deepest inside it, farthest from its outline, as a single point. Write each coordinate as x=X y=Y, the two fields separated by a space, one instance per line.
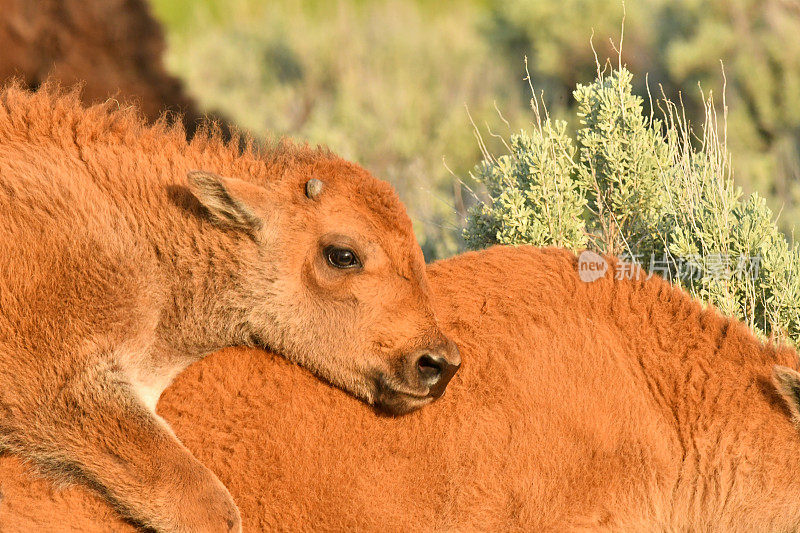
x=314 y=188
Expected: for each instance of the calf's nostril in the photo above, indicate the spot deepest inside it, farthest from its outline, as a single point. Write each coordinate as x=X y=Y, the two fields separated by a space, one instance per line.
x=430 y=367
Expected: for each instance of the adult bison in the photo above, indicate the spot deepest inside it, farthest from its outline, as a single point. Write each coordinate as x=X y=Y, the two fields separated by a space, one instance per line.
x=119 y=266
x=113 y=48
x=612 y=405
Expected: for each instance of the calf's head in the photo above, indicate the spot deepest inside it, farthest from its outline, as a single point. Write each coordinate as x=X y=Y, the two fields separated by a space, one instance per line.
x=332 y=277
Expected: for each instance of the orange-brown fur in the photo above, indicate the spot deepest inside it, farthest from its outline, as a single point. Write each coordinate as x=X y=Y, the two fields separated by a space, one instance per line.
x=119 y=267
x=113 y=48
x=612 y=405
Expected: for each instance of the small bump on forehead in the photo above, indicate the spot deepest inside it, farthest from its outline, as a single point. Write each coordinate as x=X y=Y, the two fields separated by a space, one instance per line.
x=314 y=188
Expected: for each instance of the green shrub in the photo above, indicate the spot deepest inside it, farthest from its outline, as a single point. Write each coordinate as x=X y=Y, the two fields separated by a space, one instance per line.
x=620 y=172
x=648 y=190
x=540 y=165
x=680 y=43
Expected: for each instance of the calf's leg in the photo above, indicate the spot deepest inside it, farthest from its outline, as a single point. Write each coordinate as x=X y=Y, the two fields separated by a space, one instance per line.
x=94 y=428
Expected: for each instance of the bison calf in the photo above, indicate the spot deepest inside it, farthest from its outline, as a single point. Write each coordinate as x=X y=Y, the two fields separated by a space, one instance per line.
x=119 y=267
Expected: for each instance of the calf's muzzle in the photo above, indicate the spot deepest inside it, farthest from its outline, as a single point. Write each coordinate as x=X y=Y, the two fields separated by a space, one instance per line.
x=436 y=366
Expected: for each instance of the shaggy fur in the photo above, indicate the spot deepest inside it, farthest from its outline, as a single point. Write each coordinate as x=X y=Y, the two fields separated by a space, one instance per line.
x=612 y=405
x=119 y=267
x=113 y=47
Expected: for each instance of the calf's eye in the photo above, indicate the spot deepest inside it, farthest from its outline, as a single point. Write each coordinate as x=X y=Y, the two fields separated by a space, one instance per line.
x=341 y=257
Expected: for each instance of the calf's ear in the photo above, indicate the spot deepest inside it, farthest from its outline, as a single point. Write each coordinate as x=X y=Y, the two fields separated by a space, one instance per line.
x=229 y=201
x=787 y=381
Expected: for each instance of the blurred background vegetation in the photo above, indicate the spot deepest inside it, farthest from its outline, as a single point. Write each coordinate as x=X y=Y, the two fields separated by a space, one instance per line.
x=387 y=83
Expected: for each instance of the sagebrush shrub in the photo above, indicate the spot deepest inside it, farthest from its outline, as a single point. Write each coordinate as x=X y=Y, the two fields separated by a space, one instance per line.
x=679 y=42
x=648 y=190
x=540 y=165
